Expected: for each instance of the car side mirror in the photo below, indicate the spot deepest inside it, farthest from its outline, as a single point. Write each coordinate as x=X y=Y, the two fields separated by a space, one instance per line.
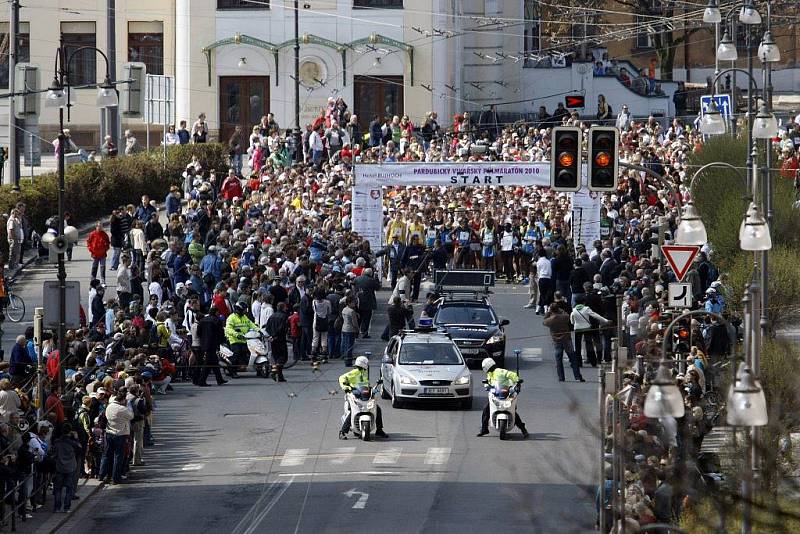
x=504 y=322
x=387 y=360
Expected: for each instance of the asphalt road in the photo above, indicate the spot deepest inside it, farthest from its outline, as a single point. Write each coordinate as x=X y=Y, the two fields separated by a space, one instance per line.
x=256 y=456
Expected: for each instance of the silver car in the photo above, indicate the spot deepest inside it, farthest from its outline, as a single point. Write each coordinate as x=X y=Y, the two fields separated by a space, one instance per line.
x=425 y=366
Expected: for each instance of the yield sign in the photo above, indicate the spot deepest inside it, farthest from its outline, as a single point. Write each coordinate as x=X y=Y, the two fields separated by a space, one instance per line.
x=680 y=258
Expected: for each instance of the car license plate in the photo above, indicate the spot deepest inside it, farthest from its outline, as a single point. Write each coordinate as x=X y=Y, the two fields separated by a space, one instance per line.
x=437 y=391
x=470 y=351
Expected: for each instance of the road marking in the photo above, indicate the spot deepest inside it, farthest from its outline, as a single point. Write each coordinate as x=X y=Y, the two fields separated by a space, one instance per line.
x=389 y=456
x=361 y=503
x=256 y=521
x=437 y=455
x=192 y=467
x=294 y=457
x=338 y=473
x=342 y=455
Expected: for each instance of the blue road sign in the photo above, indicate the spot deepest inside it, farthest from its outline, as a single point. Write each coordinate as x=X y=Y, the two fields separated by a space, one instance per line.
x=723 y=103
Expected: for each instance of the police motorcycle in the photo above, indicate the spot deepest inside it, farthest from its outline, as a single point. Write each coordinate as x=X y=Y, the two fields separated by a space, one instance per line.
x=363 y=409
x=363 y=412
x=503 y=394
x=259 y=356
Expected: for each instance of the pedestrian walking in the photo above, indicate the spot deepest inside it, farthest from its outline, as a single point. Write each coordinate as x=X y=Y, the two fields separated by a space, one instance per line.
x=558 y=321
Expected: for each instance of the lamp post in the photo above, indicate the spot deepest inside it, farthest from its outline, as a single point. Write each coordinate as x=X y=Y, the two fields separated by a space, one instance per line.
x=768 y=53
x=59 y=96
x=747 y=408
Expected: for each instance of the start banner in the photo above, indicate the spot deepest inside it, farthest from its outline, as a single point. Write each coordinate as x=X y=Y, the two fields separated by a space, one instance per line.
x=468 y=174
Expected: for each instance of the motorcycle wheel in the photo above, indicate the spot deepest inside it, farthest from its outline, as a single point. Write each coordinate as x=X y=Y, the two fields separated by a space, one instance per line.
x=502 y=426
x=365 y=432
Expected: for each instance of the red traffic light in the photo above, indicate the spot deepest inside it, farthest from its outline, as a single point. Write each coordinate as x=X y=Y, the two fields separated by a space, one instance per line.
x=602 y=159
x=566 y=159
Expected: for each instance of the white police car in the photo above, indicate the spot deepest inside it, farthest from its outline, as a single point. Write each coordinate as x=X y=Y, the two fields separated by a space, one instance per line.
x=425 y=365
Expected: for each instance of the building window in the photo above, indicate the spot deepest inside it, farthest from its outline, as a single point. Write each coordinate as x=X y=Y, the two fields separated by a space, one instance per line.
x=532 y=36
x=5 y=47
x=146 y=45
x=83 y=68
x=379 y=4
x=242 y=4
x=644 y=33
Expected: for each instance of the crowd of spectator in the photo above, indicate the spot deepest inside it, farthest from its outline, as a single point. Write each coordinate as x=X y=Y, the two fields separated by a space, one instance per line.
x=269 y=248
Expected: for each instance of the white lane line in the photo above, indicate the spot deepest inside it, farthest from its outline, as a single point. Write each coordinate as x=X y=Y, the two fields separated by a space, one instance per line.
x=437 y=455
x=342 y=455
x=337 y=473
x=192 y=467
x=533 y=354
x=294 y=457
x=388 y=456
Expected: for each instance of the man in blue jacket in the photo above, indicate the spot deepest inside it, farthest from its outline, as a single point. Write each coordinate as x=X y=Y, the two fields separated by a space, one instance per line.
x=21 y=362
x=173 y=201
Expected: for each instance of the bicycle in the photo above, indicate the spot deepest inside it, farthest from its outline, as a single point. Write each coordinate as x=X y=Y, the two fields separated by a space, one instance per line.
x=13 y=305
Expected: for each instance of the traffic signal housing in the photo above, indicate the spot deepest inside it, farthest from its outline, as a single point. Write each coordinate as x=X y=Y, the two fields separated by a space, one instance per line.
x=603 y=158
x=565 y=159
x=132 y=94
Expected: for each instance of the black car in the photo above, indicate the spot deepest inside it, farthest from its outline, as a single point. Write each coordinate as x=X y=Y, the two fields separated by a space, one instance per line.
x=474 y=327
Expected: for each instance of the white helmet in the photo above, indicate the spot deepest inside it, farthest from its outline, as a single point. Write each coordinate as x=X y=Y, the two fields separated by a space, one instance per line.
x=362 y=362
x=487 y=364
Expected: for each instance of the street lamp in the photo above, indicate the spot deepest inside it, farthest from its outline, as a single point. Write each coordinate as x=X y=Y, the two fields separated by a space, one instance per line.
x=768 y=51
x=712 y=122
x=107 y=94
x=691 y=230
x=58 y=96
x=754 y=235
x=766 y=125
x=726 y=51
x=749 y=14
x=664 y=398
x=712 y=14
x=747 y=405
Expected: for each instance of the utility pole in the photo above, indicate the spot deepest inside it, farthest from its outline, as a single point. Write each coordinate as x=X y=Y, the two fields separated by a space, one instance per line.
x=13 y=129
x=297 y=66
x=112 y=123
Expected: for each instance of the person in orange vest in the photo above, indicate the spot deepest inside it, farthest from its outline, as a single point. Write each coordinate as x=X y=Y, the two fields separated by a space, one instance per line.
x=98 y=244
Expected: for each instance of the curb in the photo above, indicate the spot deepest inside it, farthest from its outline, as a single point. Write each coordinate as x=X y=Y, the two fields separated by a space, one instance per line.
x=62 y=520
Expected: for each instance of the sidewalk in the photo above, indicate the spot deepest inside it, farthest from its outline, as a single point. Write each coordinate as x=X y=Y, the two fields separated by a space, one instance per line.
x=28 y=285
x=44 y=521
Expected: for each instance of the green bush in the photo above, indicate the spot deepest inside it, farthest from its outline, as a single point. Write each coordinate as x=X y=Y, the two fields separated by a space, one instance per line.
x=93 y=190
x=721 y=198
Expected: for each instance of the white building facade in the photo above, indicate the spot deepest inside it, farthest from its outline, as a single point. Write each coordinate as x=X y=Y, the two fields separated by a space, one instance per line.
x=235 y=59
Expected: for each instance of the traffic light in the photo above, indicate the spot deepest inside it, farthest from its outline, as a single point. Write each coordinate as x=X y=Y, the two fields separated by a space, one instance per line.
x=132 y=94
x=603 y=158
x=565 y=160
x=27 y=80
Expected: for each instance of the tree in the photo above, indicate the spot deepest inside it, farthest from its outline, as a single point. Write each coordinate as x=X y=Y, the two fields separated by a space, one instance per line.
x=666 y=31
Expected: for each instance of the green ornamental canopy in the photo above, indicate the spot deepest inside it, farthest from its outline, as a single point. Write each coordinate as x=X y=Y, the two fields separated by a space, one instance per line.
x=310 y=39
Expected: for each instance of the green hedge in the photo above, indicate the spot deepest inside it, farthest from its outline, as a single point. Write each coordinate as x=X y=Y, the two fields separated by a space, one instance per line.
x=93 y=190
x=719 y=195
